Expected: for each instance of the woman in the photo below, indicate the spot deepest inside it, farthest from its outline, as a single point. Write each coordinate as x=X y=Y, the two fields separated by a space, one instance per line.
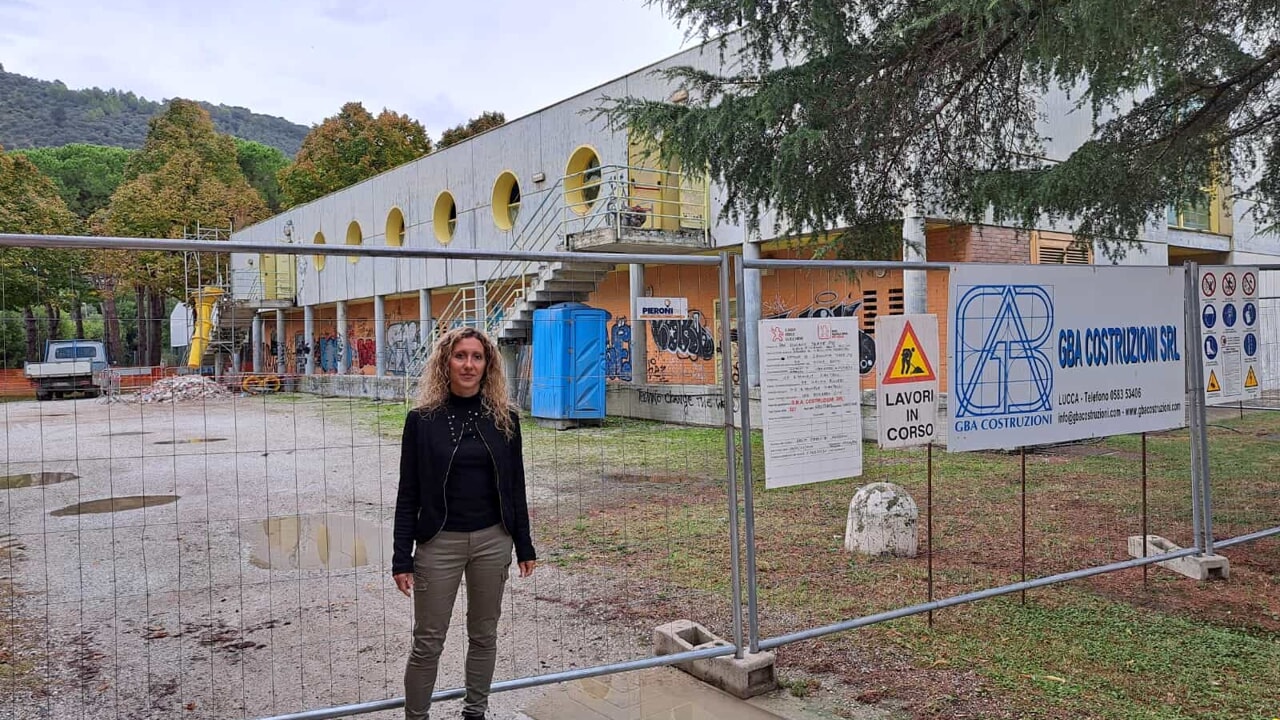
x=462 y=501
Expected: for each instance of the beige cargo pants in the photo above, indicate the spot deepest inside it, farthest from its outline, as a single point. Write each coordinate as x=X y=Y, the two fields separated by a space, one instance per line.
x=484 y=556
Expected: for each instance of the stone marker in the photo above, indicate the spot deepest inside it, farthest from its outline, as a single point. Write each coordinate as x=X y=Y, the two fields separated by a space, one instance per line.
x=882 y=521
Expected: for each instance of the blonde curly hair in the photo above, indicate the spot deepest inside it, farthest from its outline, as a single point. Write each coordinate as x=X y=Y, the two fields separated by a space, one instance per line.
x=433 y=385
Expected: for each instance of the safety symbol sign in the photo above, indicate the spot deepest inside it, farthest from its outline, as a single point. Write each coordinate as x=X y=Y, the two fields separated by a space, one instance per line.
x=1208 y=284
x=1230 y=345
x=908 y=363
x=1251 y=380
x=1229 y=315
x=1210 y=315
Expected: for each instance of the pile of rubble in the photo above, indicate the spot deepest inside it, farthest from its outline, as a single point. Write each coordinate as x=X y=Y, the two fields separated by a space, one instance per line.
x=182 y=388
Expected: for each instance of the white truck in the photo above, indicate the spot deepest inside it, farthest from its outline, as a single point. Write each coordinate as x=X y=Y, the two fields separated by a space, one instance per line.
x=69 y=366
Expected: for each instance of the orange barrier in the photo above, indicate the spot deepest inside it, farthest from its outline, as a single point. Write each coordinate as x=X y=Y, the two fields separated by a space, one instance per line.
x=13 y=383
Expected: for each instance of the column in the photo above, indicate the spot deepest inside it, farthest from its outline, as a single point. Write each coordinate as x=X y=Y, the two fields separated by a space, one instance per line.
x=747 y=345
x=639 y=338
x=380 y=335
x=309 y=332
x=424 y=317
x=915 y=283
x=510 y=364
x=255 y=337
x=281 y=346
x=344 y=352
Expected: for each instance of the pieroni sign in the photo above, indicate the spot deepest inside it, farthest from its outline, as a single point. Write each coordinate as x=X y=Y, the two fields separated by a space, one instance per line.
x=661 y=308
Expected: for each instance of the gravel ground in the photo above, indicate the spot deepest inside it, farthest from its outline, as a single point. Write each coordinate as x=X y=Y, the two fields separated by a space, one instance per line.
x=229 y=558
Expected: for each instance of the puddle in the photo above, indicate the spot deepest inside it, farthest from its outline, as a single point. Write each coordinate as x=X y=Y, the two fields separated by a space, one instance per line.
x=106 y=505
x=189 y=441
x=9 y=482
x=315 y=542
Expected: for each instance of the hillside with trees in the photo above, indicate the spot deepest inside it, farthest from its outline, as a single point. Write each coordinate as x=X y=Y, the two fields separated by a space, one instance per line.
x=39 y=113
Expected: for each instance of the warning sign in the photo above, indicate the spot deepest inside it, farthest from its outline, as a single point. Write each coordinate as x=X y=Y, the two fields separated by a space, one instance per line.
x=1208 y=284
x=908 y=363
x=1229 y=316
x=907 y=398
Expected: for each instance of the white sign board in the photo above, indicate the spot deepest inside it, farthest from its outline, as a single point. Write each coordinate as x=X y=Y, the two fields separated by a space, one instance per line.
x=1044 y=354
x=907 y=387
x=656 y=308
x=811 y=400
x=1229 y=330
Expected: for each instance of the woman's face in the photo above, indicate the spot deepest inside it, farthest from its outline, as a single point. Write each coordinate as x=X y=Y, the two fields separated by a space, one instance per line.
x=466 y=366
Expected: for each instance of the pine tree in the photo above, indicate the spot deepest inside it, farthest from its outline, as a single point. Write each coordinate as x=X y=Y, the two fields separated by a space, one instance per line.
x=834 y=112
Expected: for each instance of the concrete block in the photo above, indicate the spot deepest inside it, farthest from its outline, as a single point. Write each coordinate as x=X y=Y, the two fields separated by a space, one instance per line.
x=882 y=520
x=750 y=676
x=1203 y=567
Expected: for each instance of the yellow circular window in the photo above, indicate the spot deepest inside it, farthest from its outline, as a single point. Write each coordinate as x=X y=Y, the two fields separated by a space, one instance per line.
x=395 y=227
x=444 y=218
x=506 y=200
x=354 y=237
x=319 y=259
x=582 y=180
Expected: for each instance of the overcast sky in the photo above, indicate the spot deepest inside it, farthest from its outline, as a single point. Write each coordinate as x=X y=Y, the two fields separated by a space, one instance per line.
x=440 y=62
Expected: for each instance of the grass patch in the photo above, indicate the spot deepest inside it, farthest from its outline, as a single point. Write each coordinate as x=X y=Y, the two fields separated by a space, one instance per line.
x=646 y=502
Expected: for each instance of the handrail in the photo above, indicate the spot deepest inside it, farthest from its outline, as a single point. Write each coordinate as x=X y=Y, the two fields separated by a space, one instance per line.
x=604 y=196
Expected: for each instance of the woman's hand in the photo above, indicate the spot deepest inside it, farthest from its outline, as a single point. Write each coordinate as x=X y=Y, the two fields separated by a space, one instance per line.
x=404 y=581
x=526 y=568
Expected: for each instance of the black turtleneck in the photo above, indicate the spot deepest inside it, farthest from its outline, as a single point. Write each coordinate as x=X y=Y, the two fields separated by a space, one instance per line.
x=471 y=489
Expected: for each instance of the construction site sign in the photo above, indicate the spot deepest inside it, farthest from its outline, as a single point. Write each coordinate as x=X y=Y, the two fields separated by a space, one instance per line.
x=811 y=400
x=907 y=396
x=1229 y=326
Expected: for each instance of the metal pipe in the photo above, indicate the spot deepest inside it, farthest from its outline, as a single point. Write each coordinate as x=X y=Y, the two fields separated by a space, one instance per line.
x=1259 y=535
x=768 y=264
x=1194 y=371
x=119 y=243
x=744 y=390
x=817 y=632
x=517 y=684
x=730 y=454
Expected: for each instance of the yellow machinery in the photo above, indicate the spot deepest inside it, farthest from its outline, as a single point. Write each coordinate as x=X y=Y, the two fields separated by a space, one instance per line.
x=204 y=299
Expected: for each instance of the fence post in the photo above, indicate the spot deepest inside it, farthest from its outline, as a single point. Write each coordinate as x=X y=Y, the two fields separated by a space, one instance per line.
x=744 y=389
x=730 y=454
x=1195 y=398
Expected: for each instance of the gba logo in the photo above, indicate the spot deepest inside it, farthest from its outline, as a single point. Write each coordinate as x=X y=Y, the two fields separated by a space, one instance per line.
x=1001 y=366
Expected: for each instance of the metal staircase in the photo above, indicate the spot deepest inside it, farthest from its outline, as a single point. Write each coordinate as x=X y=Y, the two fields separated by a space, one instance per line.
x=599 y=210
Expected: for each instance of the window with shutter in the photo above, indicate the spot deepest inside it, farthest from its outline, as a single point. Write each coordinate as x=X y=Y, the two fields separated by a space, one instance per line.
x=1050 y=248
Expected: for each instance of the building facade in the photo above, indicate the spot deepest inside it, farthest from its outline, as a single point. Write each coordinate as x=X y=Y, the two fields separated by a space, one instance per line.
x=560 y=179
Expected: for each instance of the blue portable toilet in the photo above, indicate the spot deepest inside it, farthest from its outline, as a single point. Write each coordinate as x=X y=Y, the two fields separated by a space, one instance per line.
x=568 y=364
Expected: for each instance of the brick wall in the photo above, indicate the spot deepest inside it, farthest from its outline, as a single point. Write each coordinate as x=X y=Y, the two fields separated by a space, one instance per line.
x=989 y=244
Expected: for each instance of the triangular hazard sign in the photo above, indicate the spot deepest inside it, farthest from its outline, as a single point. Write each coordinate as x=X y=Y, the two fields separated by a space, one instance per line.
x=1213 y=383
x=909 y=363
x=1251 y=380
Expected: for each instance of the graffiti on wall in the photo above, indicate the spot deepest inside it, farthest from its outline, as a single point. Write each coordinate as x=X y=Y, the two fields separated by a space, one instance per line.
x=690 y=339
x=402 y=343
x=617 y=353
x=828 y=303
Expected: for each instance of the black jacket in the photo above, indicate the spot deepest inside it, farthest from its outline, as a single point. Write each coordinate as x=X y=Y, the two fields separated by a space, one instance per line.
x=425 y=452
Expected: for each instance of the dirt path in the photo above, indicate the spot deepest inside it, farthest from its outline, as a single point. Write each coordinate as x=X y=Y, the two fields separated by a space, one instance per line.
x=230 y=558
